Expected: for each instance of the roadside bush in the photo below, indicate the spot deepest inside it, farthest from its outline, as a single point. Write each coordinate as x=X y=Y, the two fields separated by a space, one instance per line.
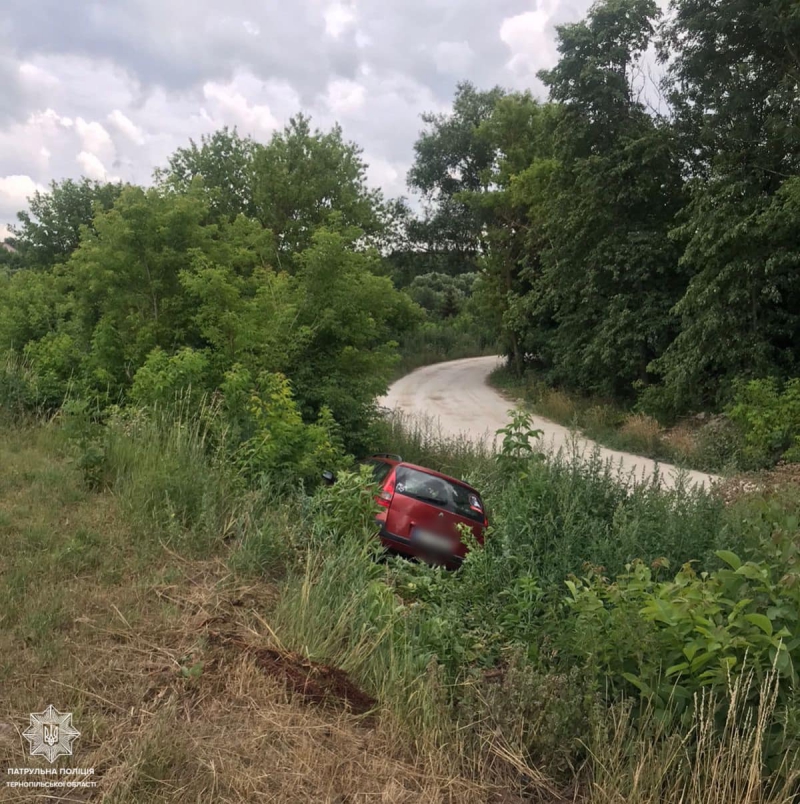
x=768 y=415
x=271 y=444
x=670 y=638
x=719 y=445
x=163 y=378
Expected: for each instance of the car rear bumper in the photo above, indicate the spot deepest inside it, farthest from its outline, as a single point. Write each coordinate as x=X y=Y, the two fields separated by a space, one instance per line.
x=406 y=546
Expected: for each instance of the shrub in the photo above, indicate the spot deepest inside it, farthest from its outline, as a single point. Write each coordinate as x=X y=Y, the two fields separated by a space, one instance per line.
x=768 y=416
x=670 y=638
x=642 y=433
x=272 y=443
x=163 y=378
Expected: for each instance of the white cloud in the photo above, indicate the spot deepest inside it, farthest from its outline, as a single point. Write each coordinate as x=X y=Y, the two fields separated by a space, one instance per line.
x=94 y=138
x=37 y=76
x=339 y=18
x=115 y=88
x=230 y=105
x=50 y=119
x=91 y=166
x=453 y=57
x=527 y=37
x=15 y=190
x=382 y=173
x=345 y=97
x=4 y=232
x=127 y=127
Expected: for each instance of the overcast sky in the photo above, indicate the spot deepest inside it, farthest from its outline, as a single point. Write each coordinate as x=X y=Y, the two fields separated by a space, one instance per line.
x=109 y=88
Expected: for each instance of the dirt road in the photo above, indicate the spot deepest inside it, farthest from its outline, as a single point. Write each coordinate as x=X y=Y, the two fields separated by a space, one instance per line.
x=455 y=397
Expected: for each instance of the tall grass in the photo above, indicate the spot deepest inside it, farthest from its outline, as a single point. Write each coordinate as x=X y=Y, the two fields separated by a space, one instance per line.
x=713 y=447
x=642 y=762
x=466 y=666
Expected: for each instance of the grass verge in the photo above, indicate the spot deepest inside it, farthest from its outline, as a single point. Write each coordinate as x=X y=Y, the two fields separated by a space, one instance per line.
x=189 y=621
x=709 y=444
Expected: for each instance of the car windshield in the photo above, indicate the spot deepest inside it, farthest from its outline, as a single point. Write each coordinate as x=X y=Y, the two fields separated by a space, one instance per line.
x=438 y=491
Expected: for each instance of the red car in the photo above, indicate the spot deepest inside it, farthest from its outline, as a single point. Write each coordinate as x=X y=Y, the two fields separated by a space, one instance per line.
x=423 y=509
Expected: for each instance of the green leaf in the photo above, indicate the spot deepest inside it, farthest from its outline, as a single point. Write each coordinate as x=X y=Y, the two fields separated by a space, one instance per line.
x=677 y=668
x=638 y=683
x=761 y=621
x=751 y=571
x=731 y=559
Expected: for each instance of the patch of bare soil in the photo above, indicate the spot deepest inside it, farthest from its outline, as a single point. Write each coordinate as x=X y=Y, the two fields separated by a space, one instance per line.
x=312 y=682
x=784 y=477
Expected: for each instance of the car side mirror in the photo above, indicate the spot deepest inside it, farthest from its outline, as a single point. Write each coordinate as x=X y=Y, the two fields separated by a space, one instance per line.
x=328 y=477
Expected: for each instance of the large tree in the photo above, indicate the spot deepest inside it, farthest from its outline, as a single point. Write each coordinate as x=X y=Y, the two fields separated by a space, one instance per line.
x=734 y=82
x=452 y=161
x=50 y=229
x=610 y=272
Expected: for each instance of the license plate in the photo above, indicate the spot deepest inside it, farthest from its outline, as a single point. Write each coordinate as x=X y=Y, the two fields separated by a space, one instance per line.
x=433 y=541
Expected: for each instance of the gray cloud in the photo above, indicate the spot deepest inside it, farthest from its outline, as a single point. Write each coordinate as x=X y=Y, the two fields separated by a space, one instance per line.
x=111 y=88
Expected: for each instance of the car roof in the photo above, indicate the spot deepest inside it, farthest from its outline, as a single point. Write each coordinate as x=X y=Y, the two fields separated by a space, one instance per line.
x=393 y=462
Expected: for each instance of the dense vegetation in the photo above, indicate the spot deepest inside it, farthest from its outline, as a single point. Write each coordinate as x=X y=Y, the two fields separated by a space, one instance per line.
x=633 y=644
x=210 y=343
x=637 y=235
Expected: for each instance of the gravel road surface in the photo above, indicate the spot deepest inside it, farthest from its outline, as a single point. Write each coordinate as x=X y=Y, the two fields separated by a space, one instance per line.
x=455 y=396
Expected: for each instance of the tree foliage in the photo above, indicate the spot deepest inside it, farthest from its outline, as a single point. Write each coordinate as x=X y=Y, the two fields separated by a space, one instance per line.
x=182 y=291
x=50 y=229
x=451 y=160
x=636 y=238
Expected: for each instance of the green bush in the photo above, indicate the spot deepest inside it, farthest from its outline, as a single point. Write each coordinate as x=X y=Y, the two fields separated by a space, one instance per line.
x=768 y=415
x=19 y=387
x=164 y=378
x=670 y=638
x=272 y=444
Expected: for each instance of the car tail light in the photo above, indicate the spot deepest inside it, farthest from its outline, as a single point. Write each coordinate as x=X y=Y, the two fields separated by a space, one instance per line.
x=386 y=493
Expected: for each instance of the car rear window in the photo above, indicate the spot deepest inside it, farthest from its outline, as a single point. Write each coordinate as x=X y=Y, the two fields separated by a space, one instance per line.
x=437 y=491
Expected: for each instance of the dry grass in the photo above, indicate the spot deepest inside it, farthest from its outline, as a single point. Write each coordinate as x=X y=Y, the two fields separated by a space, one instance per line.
x=700 y=766
x=643 y=432
x=682 y=439
x=557 y=405
x=127 y=637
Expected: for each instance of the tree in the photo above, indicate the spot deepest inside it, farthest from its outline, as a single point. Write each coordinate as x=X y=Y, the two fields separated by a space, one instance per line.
x=308 y=179
x=124 y=283
x=224 y=164
x=733 y=80
x=50 y=230
x=520 y=132
x=452 y=160
x=610 y=273
x=353 y=317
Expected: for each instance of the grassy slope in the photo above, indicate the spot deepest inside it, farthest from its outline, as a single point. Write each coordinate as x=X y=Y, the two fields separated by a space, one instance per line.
x=99 y=618
x=147 y=614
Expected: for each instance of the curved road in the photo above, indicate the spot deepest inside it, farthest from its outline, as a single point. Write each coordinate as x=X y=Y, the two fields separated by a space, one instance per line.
x=455 y=397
